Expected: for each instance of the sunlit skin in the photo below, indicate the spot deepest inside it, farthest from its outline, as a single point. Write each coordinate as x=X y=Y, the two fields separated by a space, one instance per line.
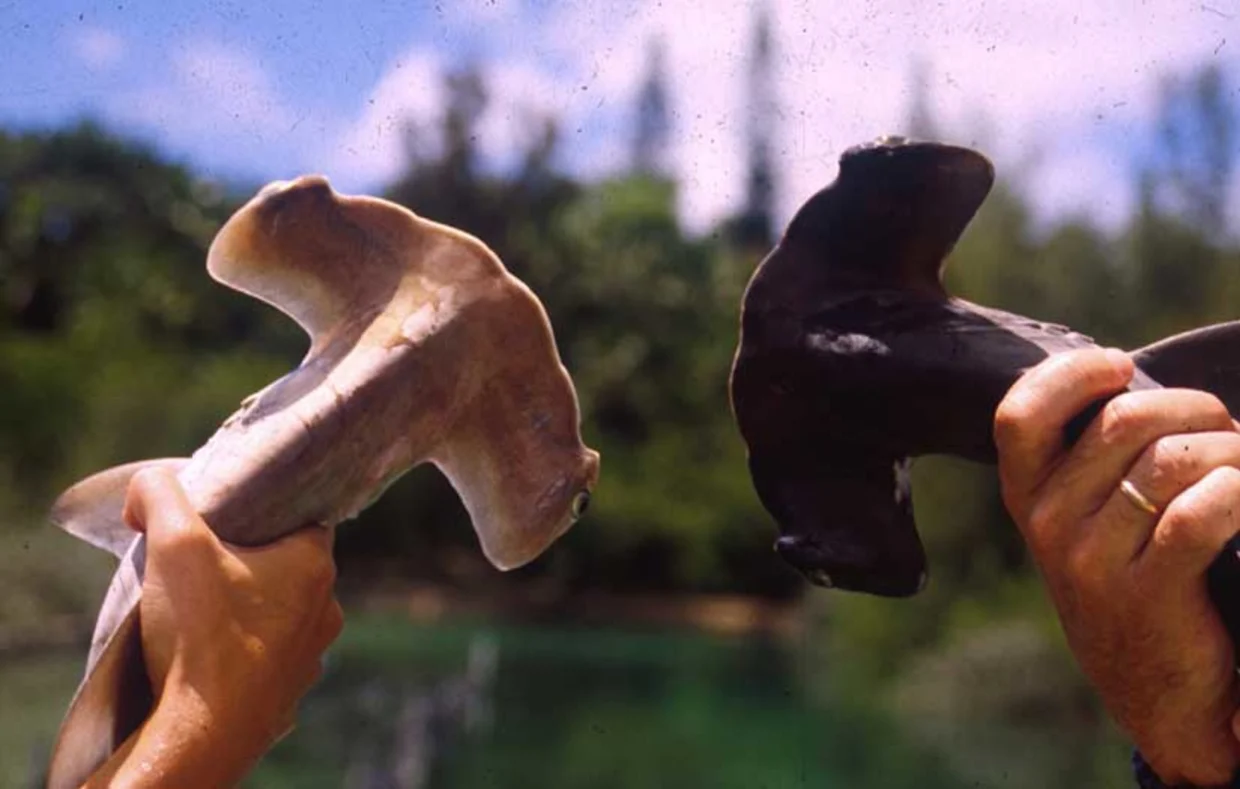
x=232 y=638
x=1129 y=586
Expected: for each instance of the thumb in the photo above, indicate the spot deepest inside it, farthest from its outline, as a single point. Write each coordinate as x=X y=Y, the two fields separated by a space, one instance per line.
x=156 y=505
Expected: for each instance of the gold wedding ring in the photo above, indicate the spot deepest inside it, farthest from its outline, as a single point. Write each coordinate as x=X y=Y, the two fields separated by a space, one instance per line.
x=1138 y=499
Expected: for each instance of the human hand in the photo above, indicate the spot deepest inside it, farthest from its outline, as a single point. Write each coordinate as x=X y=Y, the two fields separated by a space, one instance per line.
x=232 y=639
x=1130 y=585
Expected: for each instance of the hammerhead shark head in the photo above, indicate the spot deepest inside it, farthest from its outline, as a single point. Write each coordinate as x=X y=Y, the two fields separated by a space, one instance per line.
x=853 y=359
x=423 y=349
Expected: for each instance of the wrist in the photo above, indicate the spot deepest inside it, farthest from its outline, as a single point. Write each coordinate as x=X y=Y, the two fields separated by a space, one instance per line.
x=1148 y=778
x=1190 y=754
x=189 y=744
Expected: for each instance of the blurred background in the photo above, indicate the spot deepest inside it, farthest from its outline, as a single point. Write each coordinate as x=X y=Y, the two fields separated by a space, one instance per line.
x=631 y=162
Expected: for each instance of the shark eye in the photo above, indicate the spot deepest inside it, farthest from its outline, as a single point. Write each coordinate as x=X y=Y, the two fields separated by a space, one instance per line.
x=581 y=503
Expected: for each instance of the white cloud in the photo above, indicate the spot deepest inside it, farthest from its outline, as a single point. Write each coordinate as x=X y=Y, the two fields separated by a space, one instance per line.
x=229 y=85
x=1010 y=76
x=1050 y=81
x=371 y=149
x=97 y=48
x=1083 y=181
x=219 y=102
x=521 y=92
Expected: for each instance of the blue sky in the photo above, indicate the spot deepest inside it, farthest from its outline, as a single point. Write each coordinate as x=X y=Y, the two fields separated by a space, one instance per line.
x=1061 y=92
x=160 y=69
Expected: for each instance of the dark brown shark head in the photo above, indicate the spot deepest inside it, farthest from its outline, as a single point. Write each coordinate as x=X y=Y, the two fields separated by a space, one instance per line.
x=853 y=360
x=829 y=425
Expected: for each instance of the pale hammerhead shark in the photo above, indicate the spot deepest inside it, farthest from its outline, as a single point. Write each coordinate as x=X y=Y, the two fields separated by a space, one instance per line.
x=853 y=359
x=423 y=349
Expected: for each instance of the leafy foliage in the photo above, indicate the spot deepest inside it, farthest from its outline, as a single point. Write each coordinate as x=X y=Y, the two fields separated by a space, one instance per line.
x=115 y=345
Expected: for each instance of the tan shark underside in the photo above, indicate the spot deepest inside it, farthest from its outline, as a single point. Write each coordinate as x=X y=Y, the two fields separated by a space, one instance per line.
x=423 y=349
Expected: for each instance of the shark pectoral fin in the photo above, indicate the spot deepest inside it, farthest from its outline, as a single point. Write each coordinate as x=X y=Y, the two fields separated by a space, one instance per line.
x=1207 y=358
x=846 y=520
x=110 y=704
x=91 y=509
x=331 y=262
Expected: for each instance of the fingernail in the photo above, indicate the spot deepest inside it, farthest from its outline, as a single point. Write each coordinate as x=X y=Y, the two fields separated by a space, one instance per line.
x=144 y=485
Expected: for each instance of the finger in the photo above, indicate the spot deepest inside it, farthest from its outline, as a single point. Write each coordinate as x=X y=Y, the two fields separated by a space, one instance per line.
x=156 y=504
x=1029 y=422
x=1191 y=532
x=331 y=624
x=1167 y=467
x=1118 y=436
x=1173 y=463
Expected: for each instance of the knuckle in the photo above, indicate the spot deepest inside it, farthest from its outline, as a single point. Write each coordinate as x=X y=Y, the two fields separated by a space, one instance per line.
x=1227 y=478
x=146 y=480
x=1226 y=481
x=1167 y=464
x=1083 y=567
x=1041 y=525
x=1184 y=525
x=1012 y=416
x=152 y=479
x=184 y=540
x=1209 y=408
x=1119 y=417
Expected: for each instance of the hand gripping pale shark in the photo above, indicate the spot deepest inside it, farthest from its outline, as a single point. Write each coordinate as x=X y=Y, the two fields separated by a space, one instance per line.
x=853 y=360
x=423 y=349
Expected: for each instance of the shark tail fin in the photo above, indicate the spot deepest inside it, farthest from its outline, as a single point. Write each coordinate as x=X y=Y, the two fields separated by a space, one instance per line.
x=115 y=695
x=113 y=700
x=91 y=509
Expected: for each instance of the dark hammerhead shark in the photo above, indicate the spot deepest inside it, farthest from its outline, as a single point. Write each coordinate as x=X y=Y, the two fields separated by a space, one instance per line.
x=853 y=360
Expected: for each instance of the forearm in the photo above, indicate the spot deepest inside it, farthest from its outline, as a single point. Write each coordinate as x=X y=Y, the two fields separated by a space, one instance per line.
x=185 y=745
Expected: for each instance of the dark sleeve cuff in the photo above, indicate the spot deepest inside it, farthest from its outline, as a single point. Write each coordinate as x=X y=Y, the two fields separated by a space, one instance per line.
x=1148 y=779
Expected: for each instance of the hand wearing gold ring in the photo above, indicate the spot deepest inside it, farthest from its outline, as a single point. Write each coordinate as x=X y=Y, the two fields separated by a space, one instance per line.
x=1123 y=526
x=1138 y=499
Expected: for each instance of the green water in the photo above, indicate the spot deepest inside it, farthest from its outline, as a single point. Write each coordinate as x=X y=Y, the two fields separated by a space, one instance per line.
x=558 y=709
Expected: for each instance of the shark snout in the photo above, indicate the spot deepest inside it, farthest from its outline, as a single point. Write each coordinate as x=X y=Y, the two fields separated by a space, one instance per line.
x=848 y=566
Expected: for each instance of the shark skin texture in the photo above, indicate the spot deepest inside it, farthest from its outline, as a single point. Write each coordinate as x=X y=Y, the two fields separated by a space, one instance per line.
x=853 y=360
x=424 y=349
